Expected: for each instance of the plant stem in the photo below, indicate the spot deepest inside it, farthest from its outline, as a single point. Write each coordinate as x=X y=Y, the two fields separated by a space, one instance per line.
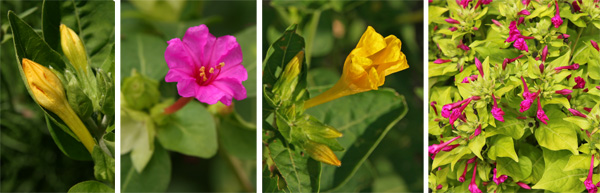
x=180 y=103
x=575 y=45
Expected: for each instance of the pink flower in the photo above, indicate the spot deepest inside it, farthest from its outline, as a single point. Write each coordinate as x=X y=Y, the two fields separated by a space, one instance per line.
x=453 y=28
x=508 y=60
x=580 y=83
x=564 y=91
x=598 y=87
x=499 y=180
x=497 y=111
x=471 y=78
x=473 y=186
x=574 y=66
x=475 y=28
x=452 y=21
x=206 y=67
x=476 y=132
x=525 y=2
x=556 y=20
x=527 y=96
x=521 y=20
x=589 y=183
x=441 y=61
x=577 y=113
x=513 y=32
x=525 y=105
x=482 y=2
x=436 y=148
x=524 y=12
x=595 y=44
x=497 y=23
x=463 y=3
x=541 y=67
x=589 y=110
x=456 y=113
x=544 y=53
x=447 y=109
x=433 y=106
x=463 y=47
x=541 y=115
x=450 y=147
x=520 y=44
x=479 y=67
x=563 y=36
x=462 y=177
x=523 y=185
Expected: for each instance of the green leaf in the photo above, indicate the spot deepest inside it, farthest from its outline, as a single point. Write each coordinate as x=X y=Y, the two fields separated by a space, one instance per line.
x=558 y=134
x=517 y=171
x=154 y=178
x=279 y=54
x=70 y=146
x=145 y=55
x=557 y=180
x=104 y=166
x=96 y=21
x=90 y=186
x=192 y=132
x=436 y=14
x=476 y=144
x=51 y=17
x=292 y=166
x=537 y=161
x=137 y=136
x=237 y=138
x=511 y=126
x=502 y=146
x=581 y=122
x=581 y=162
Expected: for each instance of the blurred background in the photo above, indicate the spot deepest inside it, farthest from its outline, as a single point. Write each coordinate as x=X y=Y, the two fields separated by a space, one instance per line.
x=331 y=30
x=29 y=158
x=146 y=26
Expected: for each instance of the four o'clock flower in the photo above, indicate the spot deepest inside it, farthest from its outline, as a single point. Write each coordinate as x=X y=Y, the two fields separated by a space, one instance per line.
x=563 y=36
x=497 y=111
x=476 y=132
x=527 y=96
x=482 y=2
x=520 y=44
x=441 y=61
x=453 y=28
x=508 y=60
x=513 y=32
x=523 y=185
x=499 y=180
x=521 y=20
x=524 y=12
x=564 y=92
x=589 y=183
x=497 y=23
x=433 y=103
x=577 y=113
x=206 y=67
x=473 y=186
x=479 y=67
x=463 y=46
x=556 y=20
x=525 y=2
x=462 y=177
x=580 y=83
x=469 y=78
x=452 y=21
x=576 y=7
x=463 y=3
x=436 y=148
x=544 y=53
x=574 y=66
x=541 y=115
x=595 y=44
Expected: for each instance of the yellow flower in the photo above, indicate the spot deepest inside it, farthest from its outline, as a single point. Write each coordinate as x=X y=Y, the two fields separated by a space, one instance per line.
x=49 y=93
x=73 y=48
x=366 y=67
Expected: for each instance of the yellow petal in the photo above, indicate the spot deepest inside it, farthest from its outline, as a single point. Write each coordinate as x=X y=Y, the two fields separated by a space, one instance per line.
x=370 y=43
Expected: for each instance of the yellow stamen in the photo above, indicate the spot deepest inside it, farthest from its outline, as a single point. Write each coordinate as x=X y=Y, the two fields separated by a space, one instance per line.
x=202 y=69
x=221 y=65
x=212 y=70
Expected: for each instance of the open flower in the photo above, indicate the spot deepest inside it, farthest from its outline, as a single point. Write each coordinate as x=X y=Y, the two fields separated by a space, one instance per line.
x=206 y=67
x=527 y=96
x=520 y=44
x=49 y=93
x=541 y=115
x=589 y=183
x=366 y=67
x=580 y=83
x=556 y=20
x=499 y=180
x=497 y=111
x=473 y=186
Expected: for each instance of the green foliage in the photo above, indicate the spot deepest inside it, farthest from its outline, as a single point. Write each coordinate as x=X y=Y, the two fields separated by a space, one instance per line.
x=548 y=155
x=199 y=147
x=44 y=48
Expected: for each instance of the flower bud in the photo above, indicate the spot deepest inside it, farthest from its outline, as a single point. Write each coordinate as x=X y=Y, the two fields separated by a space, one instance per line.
x=73 y=48
x=140 y=92
x=48 y=92
x=322 y=153
x=286 y=84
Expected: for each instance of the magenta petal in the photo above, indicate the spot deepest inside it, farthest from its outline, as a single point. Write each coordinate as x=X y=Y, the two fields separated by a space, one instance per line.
x=231 y=87
x=226 y=50
x=186 y=87
x=200 y=42
x=179 y=60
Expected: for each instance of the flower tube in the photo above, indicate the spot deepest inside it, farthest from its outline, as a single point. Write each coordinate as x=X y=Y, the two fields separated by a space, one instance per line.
x=366 y=67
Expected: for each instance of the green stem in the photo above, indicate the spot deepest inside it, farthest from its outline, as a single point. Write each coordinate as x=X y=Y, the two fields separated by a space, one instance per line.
x=575 y=45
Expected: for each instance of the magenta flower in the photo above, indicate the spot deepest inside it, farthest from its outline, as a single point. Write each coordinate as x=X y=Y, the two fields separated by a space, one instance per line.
x=463 y=3
x=497 y=111
x=577 y=113
x=520 y=44
x=527 y=96
x=463 y=47
x=541 y=67
x=441 y=61
x=439 y=187
x=482 y=2
x=476 y=132
x=589 y=110
x=525 y=2
x=523 y=185
x=563 y=36
x=598 y=87
x=473 y=186
x=453 y=28
x=564 y=91
x=589 y=183
x=436 y=148
x=524 y=12
x=450 y=147
x=479 y=67
x=544 y=53
x=462 y=177
x=521 y=20
x=556 y=20
x=508 y=60
x=595 y=44
x=447 y=109
x=541 y=115
x=499 y=180
x=452 y=21
x=206 y=67
x=574 y=66
x=513 y=32
x=469 y=78
x=580 y=83
x=497 y=23
x=456 y=113
x=433 y=106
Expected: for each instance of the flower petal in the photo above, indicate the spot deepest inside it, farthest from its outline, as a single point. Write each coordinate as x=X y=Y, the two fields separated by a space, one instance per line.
x=227 y=50
x=181 y=63
x=370 y=43
x=186 y=87
x=200 y=42
x=231 y=88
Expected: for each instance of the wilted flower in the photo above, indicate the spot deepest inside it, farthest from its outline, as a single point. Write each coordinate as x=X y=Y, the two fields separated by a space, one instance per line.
x=521 y=20
x=366 y=67
x=497 y=111
x=563 y=36
x=463 y=47
x=576 y=7
x=513 y=32
x=541 y=115
x=433 y=103
x=322 y=153
x=469 y=78
x=508 y=60
x=527 y=96
x=49 y=93
x=556 y=20
x=463 y=3
x=580 y=83
x=577 y=113
x=205 y=67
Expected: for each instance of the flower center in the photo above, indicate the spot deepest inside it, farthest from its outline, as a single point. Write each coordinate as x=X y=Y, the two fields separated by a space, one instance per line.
x=205 y=77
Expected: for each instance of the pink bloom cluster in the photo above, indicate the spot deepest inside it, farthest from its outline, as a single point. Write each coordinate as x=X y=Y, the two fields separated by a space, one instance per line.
x=497 y=111
x=529 y=98
x=453 y=111
x=514 y=35
x=556 y=20
x=436 y=148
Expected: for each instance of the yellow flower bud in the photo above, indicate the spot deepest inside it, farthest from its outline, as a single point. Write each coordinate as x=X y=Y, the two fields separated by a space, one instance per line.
x=322 y=153
x=73 y=48
x=48 y=91
x=365 y=67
